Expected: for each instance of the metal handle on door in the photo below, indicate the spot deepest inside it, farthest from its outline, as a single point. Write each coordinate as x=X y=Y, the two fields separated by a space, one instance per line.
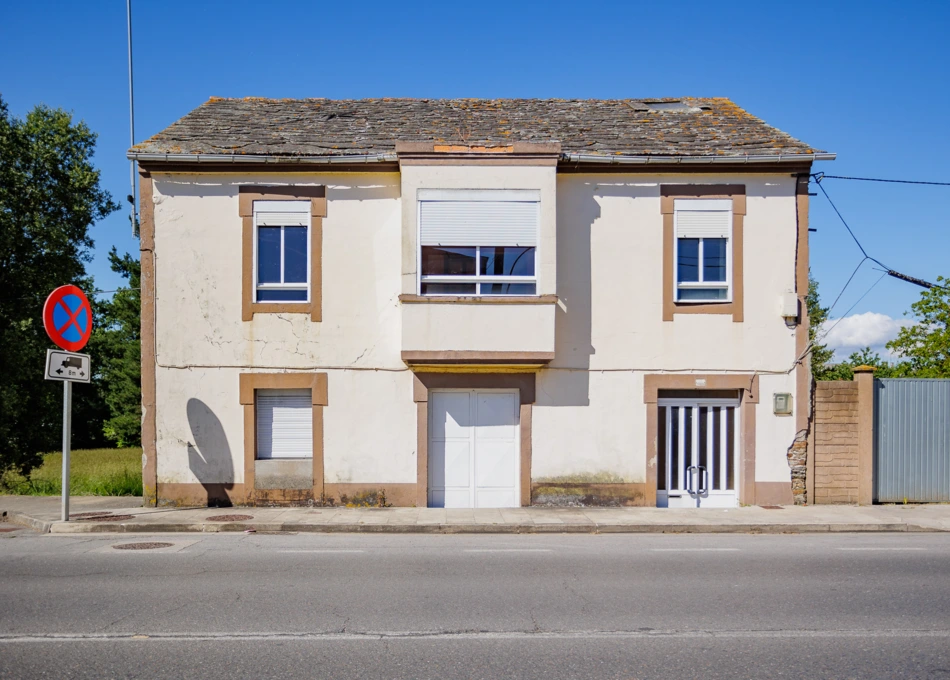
x=703 y=490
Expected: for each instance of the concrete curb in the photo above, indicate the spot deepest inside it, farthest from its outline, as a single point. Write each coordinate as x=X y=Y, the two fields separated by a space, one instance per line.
x=264 y=527
x=24 y=520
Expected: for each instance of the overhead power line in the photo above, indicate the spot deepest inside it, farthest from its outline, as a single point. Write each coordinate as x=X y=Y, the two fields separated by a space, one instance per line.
x=890 y=272
x=822 y=176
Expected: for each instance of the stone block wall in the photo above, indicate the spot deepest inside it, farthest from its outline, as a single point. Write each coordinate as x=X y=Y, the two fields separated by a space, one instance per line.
x=837 y=450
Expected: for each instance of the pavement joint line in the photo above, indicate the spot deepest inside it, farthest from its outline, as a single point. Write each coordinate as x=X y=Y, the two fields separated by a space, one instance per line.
x=878 y=549
x=695 y=550
x=328 y=550
x=508 y=550
x=337 y=636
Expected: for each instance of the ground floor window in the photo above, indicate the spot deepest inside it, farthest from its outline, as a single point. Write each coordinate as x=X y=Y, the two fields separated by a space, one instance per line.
x=284 y=423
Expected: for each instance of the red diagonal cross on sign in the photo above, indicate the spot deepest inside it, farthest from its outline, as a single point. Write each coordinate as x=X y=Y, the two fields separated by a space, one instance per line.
x=73 y=318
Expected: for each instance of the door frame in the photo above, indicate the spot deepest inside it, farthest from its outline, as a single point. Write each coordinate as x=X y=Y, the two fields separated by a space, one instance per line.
x=747 y=385
x=423 y=382
x=711 y=402
x=474 y=392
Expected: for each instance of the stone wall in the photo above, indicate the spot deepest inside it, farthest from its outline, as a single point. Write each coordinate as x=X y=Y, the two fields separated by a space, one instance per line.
x=837 y=451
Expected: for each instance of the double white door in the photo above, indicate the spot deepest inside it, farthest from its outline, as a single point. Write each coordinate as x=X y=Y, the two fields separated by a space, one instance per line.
x=698 y=445
x=474 y=449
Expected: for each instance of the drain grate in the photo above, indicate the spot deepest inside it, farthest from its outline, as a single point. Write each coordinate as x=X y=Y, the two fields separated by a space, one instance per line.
x=771 y=507
x=153 y=545
x=106 y=518
x=230 y=518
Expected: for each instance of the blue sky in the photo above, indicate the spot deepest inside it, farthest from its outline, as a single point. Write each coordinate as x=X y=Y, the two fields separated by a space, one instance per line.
x=863 y=79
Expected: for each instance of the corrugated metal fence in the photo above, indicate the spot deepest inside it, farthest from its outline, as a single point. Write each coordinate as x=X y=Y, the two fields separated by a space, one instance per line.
x=911 y=440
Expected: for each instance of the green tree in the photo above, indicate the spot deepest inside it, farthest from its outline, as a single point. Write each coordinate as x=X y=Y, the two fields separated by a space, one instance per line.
x=50 y=197
x=925 y=346
x=119 y=353
x=817 y=316
x=844 y=370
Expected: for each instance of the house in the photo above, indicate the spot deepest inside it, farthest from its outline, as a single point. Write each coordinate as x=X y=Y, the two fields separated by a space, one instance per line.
x=473 y=303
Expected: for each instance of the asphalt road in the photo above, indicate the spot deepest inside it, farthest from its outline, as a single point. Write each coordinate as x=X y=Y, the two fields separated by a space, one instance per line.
x=421 y=606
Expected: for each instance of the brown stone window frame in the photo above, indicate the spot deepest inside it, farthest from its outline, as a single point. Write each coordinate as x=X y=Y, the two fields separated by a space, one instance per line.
x=423 y=382
x=668 y=195
x=249 y=384
x=317 y=196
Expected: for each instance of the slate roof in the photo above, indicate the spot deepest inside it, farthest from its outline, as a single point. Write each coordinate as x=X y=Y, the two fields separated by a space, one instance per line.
x=617 y=127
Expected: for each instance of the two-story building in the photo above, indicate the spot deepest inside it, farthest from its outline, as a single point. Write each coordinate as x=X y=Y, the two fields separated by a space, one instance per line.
x=473 y=303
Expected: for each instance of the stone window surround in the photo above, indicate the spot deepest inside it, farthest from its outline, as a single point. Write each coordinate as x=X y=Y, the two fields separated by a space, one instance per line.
x=316 y=194
x=668 y=195
x=248 y=384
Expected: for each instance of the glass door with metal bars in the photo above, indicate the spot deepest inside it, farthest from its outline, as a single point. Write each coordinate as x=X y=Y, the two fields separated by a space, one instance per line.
x=698 y=442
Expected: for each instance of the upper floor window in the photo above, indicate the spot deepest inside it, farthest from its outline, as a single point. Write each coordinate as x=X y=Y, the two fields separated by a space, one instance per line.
x=477 y=242
x=703 y=255
x=282 y=251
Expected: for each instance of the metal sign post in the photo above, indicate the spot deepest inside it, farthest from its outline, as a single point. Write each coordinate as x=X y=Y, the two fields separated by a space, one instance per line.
x=68 y=367
x=67 y=318
x=67 y=436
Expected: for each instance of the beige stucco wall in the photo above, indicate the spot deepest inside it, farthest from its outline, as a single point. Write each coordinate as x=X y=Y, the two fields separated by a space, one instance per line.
x=606 y=269
x=486 y=328
x=590 y=416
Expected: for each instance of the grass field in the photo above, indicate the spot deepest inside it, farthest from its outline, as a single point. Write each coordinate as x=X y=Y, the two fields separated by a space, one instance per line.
x=93 y=472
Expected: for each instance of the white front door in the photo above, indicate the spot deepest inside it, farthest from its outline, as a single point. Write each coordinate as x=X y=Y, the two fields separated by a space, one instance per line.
x=698 y=446
x=474 y=449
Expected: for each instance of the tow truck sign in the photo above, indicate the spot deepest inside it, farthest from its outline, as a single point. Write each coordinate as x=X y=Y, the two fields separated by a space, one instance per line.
x=70 y=366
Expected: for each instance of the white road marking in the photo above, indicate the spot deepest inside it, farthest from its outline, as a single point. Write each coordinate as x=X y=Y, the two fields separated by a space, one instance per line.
x=145 y=638
x=507 y=550
x=329 y=550
x=694 y=550
x=890 y=549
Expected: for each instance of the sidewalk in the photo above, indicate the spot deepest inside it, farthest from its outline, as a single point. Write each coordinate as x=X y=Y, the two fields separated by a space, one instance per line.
x=126 y=515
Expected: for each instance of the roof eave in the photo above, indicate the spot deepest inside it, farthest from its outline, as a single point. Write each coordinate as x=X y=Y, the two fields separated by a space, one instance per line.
x=697 y=160
x=146 y=157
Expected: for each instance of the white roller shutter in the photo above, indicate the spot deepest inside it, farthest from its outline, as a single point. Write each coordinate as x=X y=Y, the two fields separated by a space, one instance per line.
x=284 y=424
x=282 y=213
x=472 y=218
x=703 y=218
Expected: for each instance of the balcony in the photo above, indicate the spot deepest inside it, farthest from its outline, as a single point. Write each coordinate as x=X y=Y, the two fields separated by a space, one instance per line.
x=440 y=331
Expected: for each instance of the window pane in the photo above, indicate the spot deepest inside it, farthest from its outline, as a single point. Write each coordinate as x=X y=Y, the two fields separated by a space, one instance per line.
x=295 y=254
x=446 y=261
x=281 y=296
x=448 y=288
x=508 y=289
x=507 y=261
x=694 y=294
x=268 y=254
x=688 y=256
x=714 y=259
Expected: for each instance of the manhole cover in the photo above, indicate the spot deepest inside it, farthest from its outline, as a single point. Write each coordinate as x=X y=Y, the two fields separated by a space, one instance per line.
x=771 y=507
x=77 y=515
x=230 y=518
x=142 y=546
x=106 y=518
x=4 y=531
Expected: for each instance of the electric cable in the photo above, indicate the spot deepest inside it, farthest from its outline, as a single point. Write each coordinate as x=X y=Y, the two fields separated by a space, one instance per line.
x=889 y=181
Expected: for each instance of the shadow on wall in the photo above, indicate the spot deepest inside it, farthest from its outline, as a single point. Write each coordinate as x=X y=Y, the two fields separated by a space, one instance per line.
x=209 y=457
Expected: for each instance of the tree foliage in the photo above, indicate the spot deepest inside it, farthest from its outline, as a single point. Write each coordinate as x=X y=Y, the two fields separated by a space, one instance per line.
x=817 y=315
x=119 y=355
x=50 y=197
x=924 y=348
